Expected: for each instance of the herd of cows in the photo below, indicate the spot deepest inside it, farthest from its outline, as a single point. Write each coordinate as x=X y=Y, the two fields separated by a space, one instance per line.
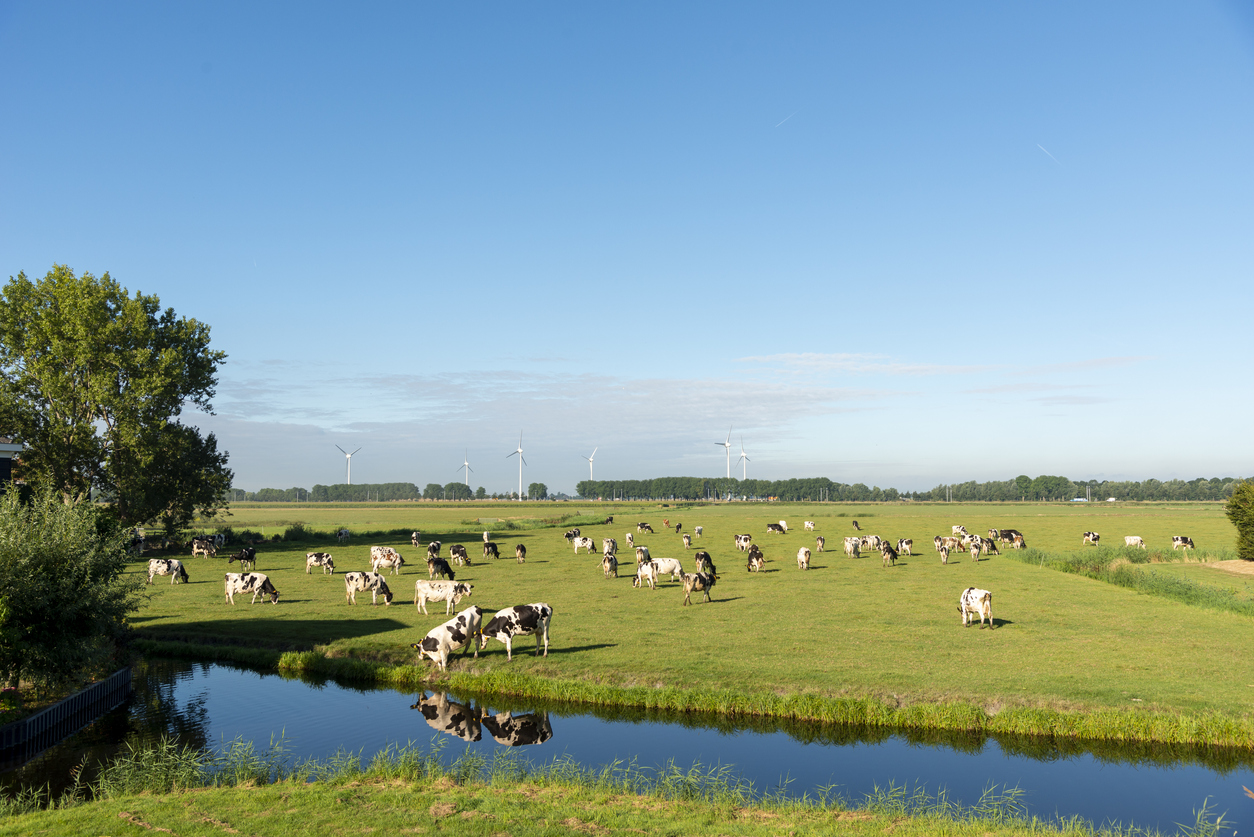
x=467 y=630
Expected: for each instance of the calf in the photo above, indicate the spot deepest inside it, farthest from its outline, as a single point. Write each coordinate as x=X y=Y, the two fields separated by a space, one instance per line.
x=247 y=555
x=820 y=542
x=519 y=620
x=905 y=545
x=256 y=583
x=609 y=565
x=889 y=554
x=803 y=559
x=1090 y=537
x=642 y=554
x=644 y=527
x=319 y=559
x=440 y=567
x=172 y=567
x=458 y=553
x=705 y=564
x=775 y=527
x=490 y=548
x=756 y=563
x=414 y=539
x=698 y=530
x=393 y=562
x=646 y=573
x=520 y=552
x=355 y=583
x=976 y=602
x=669 y=565
x=1134 y=540
x=687 y=541
x=585 y=543
x=701 y=582
x=458 y=632
x=1182 y=540
x=449 y=592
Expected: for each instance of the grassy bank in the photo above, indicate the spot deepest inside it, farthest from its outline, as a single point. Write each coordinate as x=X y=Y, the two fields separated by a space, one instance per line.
x=413 y=790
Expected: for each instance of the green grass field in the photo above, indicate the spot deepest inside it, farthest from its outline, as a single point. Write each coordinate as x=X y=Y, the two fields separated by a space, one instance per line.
x=845 y=628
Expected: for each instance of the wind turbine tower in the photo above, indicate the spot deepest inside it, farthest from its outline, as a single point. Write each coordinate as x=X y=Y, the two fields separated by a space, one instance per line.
x=521 y=461
x=469 y=470
x=590 y=458
x=744 y=458
x=727 y=445
x=348 y=464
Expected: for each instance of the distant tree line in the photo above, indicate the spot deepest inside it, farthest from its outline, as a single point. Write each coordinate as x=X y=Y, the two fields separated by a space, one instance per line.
x=1044 y=487
x=378 y=492
x=698 y=488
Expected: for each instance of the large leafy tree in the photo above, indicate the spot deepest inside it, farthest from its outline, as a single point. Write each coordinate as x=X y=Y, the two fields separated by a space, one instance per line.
x=1240 y=510
x=93 y=381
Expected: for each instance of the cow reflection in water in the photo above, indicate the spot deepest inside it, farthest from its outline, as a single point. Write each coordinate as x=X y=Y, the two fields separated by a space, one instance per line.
x=453 y=718
x=464 y=722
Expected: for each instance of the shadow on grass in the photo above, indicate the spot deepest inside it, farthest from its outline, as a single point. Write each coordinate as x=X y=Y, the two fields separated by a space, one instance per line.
x=319 y=630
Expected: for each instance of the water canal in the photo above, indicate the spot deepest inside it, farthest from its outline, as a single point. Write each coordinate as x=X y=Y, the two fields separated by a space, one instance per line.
x=211 y=705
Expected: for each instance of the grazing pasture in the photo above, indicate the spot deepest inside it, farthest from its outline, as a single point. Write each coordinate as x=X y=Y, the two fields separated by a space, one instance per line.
x=848 y=627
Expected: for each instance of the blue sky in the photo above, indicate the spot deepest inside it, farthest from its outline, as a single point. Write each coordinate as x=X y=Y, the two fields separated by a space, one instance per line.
x=900 y=244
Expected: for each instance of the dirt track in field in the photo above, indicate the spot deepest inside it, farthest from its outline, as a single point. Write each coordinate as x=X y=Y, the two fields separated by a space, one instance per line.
x=1235 y=566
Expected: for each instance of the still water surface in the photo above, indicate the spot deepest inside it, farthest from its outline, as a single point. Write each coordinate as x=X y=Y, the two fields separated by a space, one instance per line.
x=211 y=705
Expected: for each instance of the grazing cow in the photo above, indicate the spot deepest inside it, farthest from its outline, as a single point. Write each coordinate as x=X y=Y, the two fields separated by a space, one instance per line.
x=490 y=548
x=433 y=549
x=393 y=562
x=803 y=559
x=356 y=582
x=571 y=534
x=668 y=565
x=1134 y=540
x=701 y=582
x=644 y=527
x=783 y=525
x=976 y=602
x=342 y=535
x=414 y=539
x=756 y=563
x=872 y=541
x=458 y=553
x=820 y=542
x=889 y=554
x=705 y=564
x=219 y=540
x=438 y=566
x=905 y=545
x=518 y=730
x=666 y=521
x=586 y=543
x=1182 y=540
x=976 y=545
x=609 y=565
x=989 y=546
x=608 y=520
x=1018 y=542
x=448 y=717
x=856 y=527
x=630 y=541
x=487 y=536
x=959 y=529
x=952 y=544
x=247 y=555
x=698 y=530
x=944 y=554
x=377 y=552
x=994 y=533
x=609 y=546
x=519 y=620
x=449 y=592
x=172 y=567
x=687 y=541
x=936 y=541
x=743 y=541
x=853 y=547
x=205 y=548
x=319 y=559
x=1007 y=535
x=678 y=527
x=458 y=632
x=809 y=525
x=256 y=583
x=1091 y=537
x=520 y=552
x=775 y=527
x=642 y=554
x=646 y=573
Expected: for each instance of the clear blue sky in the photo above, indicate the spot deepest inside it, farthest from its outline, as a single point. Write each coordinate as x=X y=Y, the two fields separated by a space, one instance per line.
x=893 y=243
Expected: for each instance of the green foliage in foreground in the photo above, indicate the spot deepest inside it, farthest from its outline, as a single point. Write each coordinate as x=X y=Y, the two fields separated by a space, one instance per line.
x=411 y=789
x=1240 y=510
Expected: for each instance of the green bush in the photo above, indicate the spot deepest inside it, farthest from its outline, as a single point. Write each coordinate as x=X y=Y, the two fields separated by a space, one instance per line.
x=1240 y=511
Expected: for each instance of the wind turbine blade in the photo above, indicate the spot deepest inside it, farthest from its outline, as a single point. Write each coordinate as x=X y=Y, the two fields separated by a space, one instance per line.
x=468 y=468
x=341 y=450
x=515 y=453
x=728 y=442
x=594 y=453
x=524 y=459
x=354 y=452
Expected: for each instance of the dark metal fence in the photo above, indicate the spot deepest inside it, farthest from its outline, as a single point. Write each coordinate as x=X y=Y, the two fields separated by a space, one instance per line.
x=22 y=740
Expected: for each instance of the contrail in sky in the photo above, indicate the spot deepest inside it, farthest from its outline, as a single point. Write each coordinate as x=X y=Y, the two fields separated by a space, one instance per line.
x=1038 y=145
x=797 y=111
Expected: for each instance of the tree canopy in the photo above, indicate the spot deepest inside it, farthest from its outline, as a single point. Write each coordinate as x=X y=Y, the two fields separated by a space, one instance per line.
x=92 y=382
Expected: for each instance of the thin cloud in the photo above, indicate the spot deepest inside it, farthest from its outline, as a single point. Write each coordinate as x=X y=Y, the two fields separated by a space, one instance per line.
x=859 y=364
x=1082 y=365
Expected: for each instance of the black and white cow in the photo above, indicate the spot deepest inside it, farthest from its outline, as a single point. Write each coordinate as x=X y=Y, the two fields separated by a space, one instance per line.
x=644 y=527
x=342 y=535
x=457 y=552
x=756 y=563
x=256 y=583
x=205 y=547
x=976 y=602
x=440 y=567
x=609 y=546
x=775 y=527
x=490 y=548
x=820 y=542
x=433 y=549
x=904 y=545
x=630 y=540
x=519 y=620
x=669 y=566
x=1008 y=535
x=571 y=534
x=1182 y=540
x=448 y=717
x=487 y=536
x=458 y=632
x=374 y=583
x=172 y=567
x=1090 y=537
x=989 y=546
x=583 y=543
x=609 y=565
x=856 y=527
x=701 y=582
x=944 y=554
x=705 y=564
x=809 y=525
x=390 y=561
x=853 y=547
x=319 y=559
x=698 y=530
x=415 y=539
x=449 y=592
x=518 y=730
x=871 y=542
x=1017 y=542
x=608 y=520
x=803 y=559
x=995 y=534
x=889 y=554
x=959 y=529
x=743 y=541
x=687 y=541
x=642 y=554
x=646 y=575
x=520 y=552
x=247 y=555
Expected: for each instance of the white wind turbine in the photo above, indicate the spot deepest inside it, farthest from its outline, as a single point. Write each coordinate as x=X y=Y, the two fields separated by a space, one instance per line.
x=469 y=470
x=590 y=458
x=744 y=458
x=522 y=460
x=727 y=445
x=348 y=464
